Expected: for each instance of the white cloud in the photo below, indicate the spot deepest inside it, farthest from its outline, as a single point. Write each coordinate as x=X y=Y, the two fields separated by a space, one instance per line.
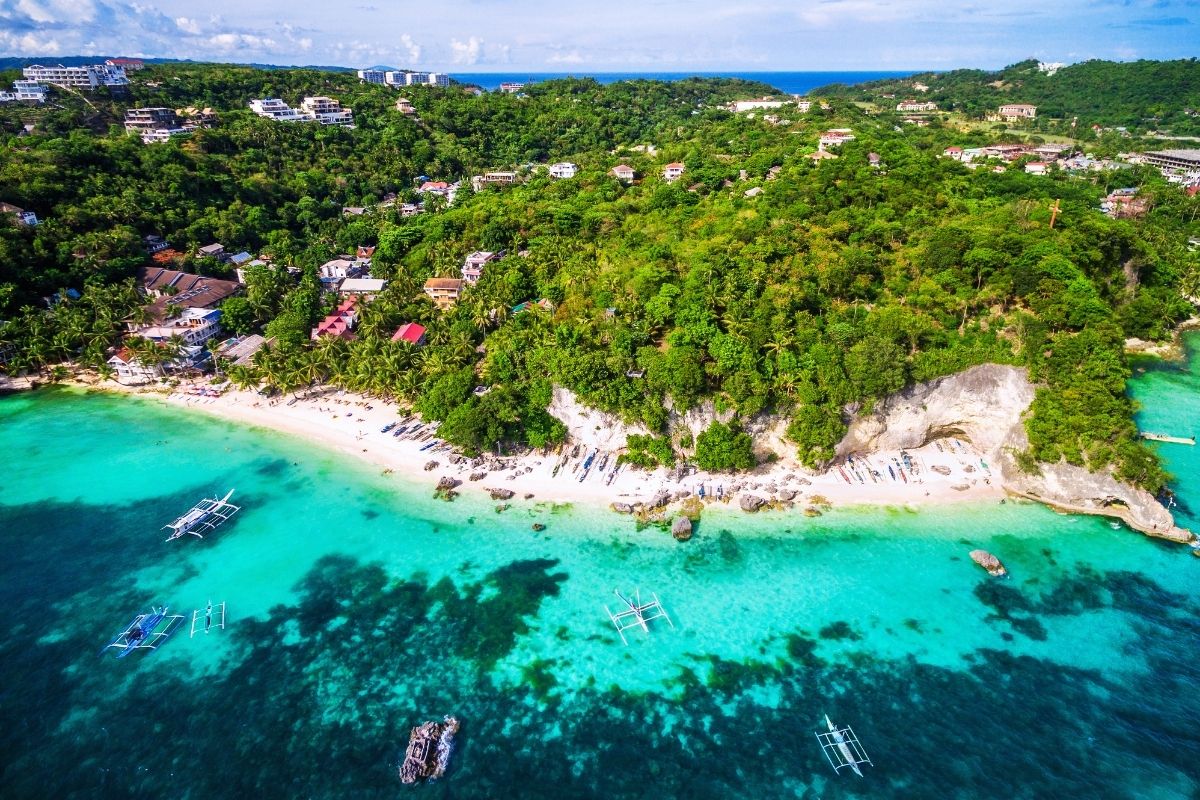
x=187 y=25
x=572 y=57
x=467 y=52
x=412 y=48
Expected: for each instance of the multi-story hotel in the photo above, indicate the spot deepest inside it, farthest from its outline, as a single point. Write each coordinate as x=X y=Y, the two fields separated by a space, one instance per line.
x=327 y=111
x=89 y=77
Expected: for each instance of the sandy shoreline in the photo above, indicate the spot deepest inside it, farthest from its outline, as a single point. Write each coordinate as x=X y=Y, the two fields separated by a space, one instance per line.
x=351 y=425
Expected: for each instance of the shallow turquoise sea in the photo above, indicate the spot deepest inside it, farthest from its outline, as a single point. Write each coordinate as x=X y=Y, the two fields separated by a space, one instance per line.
x=359 y=606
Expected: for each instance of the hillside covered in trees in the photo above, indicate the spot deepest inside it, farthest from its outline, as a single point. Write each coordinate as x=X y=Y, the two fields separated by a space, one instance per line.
x=1139 y=95
x=836 y=283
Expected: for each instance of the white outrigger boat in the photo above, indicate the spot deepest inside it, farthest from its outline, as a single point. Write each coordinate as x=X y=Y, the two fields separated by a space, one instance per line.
x=204 y=516
x=842 y=748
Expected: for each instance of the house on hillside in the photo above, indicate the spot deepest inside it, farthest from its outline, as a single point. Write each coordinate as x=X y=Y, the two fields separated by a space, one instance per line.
x=444 y=292
x=410 y=332
x=563 y=169
x=1037 y=168
x=194 y=326
x=1012 y=112
x=623 y=172
x=340 y=323
x=19 y=214
x=472 y=269
x=916 y=106
x=362 y=287
x=214 y=250
x=171 y=287
x=673 y=171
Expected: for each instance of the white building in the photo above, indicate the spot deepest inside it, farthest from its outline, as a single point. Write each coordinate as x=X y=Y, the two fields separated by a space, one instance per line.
x=836 y=136
x=737 y=106
x=401 y=78
x=623 y=172
x=512 y=87
x=327 y=111
x=194 y=326
x=804 y=105
x=25 y=91
x=359 y=286
x=563 y=169
x=673 y=171
x=472 y=269
x=1016 y=111
x=89 y=77
x=372 y=76
x=916 y=105
x=130 y=370
x=276 y=109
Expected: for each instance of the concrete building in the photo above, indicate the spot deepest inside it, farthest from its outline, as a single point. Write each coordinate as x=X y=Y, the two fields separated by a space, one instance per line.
x=25 y=92
x=402 y=78
x=327 y=111
x=673 y=171
x=563 y=169
x=154 y=124
x=835 y=136
x=127 y=64
x=512 y=87
x=405 y=106
x=194 y=326
x=444 y=291
x=275 y=109
x=738 y=106
x=472 y=269
x=1012 y=112
x=372 y=76
x=89 y=77
x=917 y=106
x=623 y=172
x=1172 y=160
x=132 y=371
x=368 y=287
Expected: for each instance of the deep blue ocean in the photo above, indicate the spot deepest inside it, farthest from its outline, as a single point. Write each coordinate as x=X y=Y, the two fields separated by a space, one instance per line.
x=788 y=82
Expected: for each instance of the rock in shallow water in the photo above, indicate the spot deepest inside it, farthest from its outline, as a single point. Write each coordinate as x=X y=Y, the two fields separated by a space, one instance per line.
x=751 y=503
x=681 y=529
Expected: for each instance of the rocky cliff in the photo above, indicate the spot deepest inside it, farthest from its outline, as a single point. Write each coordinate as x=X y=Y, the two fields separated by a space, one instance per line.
x=985 y=406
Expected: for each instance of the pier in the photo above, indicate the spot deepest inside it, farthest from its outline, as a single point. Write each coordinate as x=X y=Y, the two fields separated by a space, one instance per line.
x=1162 y=437
x=637 y=614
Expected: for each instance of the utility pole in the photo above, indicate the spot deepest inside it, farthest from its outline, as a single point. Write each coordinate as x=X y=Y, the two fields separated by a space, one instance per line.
x=1054 y=211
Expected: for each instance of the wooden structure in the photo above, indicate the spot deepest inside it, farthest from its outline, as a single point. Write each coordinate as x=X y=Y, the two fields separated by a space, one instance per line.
x=842 y=748
x=214 y=616
x=637 y=614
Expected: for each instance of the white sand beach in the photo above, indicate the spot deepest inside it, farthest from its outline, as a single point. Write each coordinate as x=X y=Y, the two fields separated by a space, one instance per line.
x=940 y=473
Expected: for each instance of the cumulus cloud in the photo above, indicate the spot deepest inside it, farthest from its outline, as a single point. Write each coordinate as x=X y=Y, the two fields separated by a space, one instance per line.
x=187 y=25
x=412 y=49
x=466 y=52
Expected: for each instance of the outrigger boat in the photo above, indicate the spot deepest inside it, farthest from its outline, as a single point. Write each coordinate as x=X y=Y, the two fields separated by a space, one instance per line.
x=146 y=632
x=842 y=748
x=204 y=516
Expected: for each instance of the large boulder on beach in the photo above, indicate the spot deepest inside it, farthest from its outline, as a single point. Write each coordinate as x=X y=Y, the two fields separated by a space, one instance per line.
x=940 y=469
x=787 y=495
x=751 y=503
x=681 y=529
x=502 y=494
x=447 y=483
x=622 y=508
x=430 y=466
x=477 y=476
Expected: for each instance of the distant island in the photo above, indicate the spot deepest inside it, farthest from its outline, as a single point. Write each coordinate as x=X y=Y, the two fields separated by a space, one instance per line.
x=730 y=275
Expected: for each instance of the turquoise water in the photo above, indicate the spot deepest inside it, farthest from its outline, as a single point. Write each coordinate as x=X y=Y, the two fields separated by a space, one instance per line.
x=359 y=606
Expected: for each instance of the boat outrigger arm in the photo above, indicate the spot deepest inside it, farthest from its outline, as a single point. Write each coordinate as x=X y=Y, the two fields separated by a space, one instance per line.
x=842 y=748
x=203 y=517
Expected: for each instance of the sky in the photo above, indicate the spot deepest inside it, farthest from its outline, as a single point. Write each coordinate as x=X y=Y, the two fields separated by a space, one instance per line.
x=608 y=35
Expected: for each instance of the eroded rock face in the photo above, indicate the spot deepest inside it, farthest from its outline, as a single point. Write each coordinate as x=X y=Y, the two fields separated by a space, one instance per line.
x=981 y=405
x=502 y=494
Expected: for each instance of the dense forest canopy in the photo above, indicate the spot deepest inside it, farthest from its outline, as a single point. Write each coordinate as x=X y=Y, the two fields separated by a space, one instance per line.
x=838 y=283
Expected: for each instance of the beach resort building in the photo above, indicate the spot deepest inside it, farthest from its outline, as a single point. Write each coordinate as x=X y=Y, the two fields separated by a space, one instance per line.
x=403 y=78
x=410 y=332
x=275 y=109
x=511 y=87
x=444 y=292
x=239 y=351
x=340 y=323
x=184 y=289
x=673 y=171
x=623 y=172
x=493 y=179
x=327 y=111
x=1014 y=112
x=372 y=76
x=472 y=269
x=563 y=169
x=89 y=77
x=194 y=326
x=130 y=370
x=154 y=124
x=18 y=214
x=25 y=92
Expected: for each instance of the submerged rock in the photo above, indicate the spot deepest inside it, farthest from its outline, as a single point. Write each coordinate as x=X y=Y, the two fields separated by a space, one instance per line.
x=681 y=529
x=537 y=526
x=622 y=508
x=447 y=483
x=989 y=562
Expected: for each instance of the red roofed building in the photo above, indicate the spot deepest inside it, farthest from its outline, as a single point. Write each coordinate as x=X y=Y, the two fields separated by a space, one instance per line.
x=410 y=332
x=434 y=186
x=126 y=63
x=673 y=171
x=340 y=323
x=365 y=253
